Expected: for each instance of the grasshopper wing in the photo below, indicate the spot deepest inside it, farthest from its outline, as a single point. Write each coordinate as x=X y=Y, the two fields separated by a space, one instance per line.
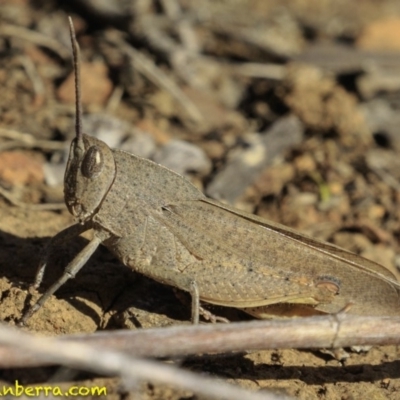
x=245 y=261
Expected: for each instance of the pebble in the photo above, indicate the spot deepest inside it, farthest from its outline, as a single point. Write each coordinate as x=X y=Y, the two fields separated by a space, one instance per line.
x=245 y=164
x=381 y=35
x=19 y=168
x=183 y=157
x=96 y=87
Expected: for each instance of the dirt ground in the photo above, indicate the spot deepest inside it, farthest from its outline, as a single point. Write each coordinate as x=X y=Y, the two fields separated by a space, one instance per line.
x=332 y=67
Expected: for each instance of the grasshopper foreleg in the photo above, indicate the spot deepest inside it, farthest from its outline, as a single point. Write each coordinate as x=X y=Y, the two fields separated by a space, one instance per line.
x=61 y=237
x=70 y=271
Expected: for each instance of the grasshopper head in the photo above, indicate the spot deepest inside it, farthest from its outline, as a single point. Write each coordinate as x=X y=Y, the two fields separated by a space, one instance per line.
x=89 y=175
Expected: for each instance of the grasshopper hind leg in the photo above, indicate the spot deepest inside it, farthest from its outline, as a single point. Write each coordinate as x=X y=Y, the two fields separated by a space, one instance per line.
x=194 y=292
x=197 y=310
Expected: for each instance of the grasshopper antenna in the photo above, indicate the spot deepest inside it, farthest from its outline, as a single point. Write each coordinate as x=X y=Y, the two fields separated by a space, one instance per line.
x=77 y=71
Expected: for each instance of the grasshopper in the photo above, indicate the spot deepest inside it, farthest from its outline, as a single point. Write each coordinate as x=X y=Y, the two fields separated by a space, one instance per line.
x=157 y=223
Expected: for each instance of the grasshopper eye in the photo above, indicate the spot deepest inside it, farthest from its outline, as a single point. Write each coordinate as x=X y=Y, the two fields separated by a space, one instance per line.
x=92 y=163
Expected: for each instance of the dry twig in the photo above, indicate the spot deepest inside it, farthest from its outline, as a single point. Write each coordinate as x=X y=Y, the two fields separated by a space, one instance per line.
x=20 y=139
x=33 y=76
x=271 y=71
x=147 y=67
x=36 y=38
x=38 y=207
x=333 y=331
x=130 y=369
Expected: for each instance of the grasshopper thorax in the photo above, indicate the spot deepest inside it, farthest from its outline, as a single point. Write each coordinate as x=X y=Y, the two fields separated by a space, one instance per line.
x=88 y=177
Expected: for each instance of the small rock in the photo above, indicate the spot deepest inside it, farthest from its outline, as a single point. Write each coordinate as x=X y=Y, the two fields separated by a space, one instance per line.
x=304 y=199
x=377 y=114
x=351 y=241
x=376 y=211
x=335 y=188
x=140 y=144
x=305 y=163
x=323 y=105
x=19 y=168
x=246 y=164
x=384 y=122
x=385 y=383
x=360 y=349
x=273 y=179
x=110 y=130
x=183 y=157
x=215 y=114
x=96 y=86
x=381 y=35
x=378 y=81
x=386 y=164
x=214 y=149
x=54 y=173
x=381 y=255
x=149 y=127
x=164 y=103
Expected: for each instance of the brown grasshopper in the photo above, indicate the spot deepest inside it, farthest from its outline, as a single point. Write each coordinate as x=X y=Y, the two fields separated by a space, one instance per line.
x=157 y=223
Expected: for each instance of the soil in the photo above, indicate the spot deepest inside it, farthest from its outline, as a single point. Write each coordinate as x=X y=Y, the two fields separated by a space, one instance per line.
x=360 y=211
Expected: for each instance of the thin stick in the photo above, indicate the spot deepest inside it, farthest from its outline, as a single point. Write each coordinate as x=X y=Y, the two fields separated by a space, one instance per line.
x=147 y=67
x=37 y=83
x=38 y=207
x=27 y=140
x=77 y=71
x=331 y=331
x=184 y=26
x=257 y=70
x=36 y=38
x=89 y=358
x=114 y=100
